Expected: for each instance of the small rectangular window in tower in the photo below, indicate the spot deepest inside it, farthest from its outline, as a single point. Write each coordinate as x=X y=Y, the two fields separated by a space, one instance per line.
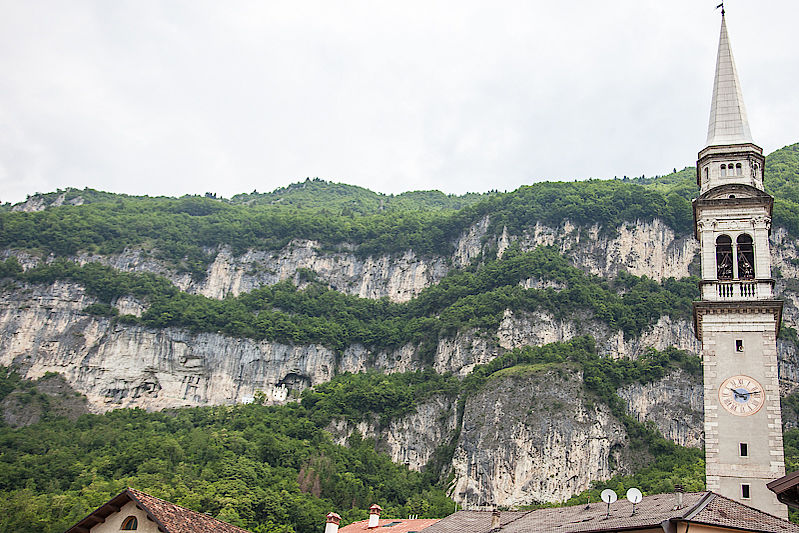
x=739 y=345
x=745 y=491
x=744 y=449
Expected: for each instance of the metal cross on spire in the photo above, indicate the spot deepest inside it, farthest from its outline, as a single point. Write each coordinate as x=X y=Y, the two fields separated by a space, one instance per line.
x=721 y=5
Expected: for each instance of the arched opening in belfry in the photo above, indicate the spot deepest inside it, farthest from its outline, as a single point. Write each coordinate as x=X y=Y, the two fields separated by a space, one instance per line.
x=723 y=171
x=746 y=256
x=724 y=257
x=739 y=169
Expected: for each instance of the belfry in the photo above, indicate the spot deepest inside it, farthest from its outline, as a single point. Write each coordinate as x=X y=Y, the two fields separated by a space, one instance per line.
x=738 y=318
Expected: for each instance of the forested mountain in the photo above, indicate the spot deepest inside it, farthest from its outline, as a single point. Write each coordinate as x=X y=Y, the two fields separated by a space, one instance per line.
x=508 y=348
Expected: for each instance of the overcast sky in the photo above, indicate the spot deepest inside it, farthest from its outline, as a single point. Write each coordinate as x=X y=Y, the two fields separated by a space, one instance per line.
x=185 y=97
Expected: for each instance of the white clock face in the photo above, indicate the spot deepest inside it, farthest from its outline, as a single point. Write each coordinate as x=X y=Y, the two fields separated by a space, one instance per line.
x=741 y=395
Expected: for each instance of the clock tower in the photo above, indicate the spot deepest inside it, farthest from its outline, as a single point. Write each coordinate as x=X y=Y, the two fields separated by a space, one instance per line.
x=738 y=317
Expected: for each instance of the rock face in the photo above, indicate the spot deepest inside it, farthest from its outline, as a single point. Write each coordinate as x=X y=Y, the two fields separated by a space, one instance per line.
x=39 y=203
x=130 y=366
x=535 y=329
x=43 y=329
x=674 y=403
x=410 y=440
x=641 y=248
x=531 y=435
x=398 y=277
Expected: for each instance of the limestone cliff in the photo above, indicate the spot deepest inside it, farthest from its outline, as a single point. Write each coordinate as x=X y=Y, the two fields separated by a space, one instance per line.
x=641 y=248
x=674 y=403
x=532 y=435
x=410 y=440
x=44 y=329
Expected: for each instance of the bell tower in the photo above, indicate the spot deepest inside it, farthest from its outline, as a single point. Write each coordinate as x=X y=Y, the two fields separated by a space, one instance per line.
x=737 y=319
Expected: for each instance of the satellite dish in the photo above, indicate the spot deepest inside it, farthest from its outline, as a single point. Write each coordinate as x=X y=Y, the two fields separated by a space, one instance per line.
x=609 y=496
x=634 y=495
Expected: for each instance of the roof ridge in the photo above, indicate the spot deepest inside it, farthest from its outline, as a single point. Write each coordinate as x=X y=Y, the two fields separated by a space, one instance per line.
x=700 y=505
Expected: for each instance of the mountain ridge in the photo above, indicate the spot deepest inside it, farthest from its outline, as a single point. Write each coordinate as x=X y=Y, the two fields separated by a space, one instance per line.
x=412 y=318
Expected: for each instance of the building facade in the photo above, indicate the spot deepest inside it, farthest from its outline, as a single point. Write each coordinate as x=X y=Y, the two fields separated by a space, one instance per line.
x=738 y=318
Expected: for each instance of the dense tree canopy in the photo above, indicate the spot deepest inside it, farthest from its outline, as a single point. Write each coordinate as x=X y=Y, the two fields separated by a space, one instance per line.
x=275 y=469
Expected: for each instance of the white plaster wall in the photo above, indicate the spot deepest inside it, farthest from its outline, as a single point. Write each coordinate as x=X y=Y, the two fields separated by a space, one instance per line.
x=114 y=522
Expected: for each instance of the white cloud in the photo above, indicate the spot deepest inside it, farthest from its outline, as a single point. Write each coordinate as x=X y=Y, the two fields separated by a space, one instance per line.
x=187 y=97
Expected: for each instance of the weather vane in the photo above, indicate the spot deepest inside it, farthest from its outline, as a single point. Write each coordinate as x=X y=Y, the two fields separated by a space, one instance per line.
x=721 y=5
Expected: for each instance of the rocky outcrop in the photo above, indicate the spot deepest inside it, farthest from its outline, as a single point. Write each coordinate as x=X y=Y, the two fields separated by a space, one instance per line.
x=541 y=327
x=674 y=403
x=43 y=328
x=38 y=202
x=649 y=249
x=532 y=435
x=410 y=440
x=131 y=366
x=398 y=277
x=641 y=248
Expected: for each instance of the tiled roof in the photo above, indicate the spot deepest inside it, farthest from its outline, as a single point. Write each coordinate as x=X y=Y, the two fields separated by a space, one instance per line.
x=706 y=508
x=170 y=518
x=177 y=519
x=721 y=511
x=391 y=526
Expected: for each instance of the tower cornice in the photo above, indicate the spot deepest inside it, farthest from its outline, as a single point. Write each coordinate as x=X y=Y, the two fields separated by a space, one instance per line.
x=731 y=196
x=704 y=307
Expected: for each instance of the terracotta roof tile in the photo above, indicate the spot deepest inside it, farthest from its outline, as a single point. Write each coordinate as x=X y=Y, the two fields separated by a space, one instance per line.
x=391 y=525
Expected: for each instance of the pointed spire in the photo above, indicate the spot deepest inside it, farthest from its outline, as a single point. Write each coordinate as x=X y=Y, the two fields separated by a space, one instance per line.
x=728 y=123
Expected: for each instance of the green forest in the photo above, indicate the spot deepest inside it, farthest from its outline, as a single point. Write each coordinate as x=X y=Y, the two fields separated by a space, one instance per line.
x=275 y=469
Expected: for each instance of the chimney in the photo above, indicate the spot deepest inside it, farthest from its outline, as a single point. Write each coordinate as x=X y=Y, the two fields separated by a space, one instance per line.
x=374 y=516
x=679 y=489
x=331 y=525
x=495 y=520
